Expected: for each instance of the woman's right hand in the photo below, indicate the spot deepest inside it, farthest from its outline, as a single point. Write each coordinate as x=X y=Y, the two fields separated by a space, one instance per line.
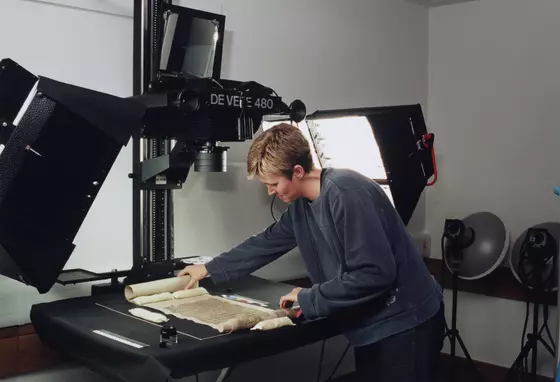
x=197 y=273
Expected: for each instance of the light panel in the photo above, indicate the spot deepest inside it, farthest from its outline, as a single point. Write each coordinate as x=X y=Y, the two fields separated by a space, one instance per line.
x=348 y=142
x=345 y=142
x=389 y=144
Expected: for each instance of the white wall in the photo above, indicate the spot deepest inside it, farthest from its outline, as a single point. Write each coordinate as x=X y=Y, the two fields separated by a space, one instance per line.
x=493 y=101
x=331 y=54
x=334 y=55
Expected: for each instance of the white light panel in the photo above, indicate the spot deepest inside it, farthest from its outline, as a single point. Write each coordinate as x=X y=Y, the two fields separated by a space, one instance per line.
x=348 y=142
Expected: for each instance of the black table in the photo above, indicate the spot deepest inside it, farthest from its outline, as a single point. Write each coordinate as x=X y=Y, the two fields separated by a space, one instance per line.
x=68 y=327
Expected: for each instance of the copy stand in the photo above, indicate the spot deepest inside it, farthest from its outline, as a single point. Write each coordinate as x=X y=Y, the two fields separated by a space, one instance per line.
x=538 y=251
x=453 y=254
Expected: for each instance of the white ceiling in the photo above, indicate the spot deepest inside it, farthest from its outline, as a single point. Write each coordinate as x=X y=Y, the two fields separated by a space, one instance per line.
x=436 y=3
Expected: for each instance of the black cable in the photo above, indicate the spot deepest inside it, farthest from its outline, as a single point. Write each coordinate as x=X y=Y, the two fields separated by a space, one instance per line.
x=525 y=325
x=442 y=261
x=272 y=207
x=321 y=361
x=447 y=331
x=197 y=378
x=550 y=337
x=525 y=365
x=338 y=363
x=552 y=343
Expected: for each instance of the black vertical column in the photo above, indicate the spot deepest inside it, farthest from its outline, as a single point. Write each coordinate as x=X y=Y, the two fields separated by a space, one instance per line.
x=139 y=45
x=152 y=205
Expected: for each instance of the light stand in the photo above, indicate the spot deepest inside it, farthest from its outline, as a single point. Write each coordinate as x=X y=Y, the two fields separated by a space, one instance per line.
x=456 y=237
x=538 y=250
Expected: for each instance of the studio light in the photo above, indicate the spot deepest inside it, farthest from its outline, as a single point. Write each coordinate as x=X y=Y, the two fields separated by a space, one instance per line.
x=471 y=249
x=59 y=143
x=534 y=257
x=476 y=245
x=387 y=144
x=534 y=263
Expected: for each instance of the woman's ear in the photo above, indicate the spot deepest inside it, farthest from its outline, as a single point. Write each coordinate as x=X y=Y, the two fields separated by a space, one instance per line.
x=298 y=172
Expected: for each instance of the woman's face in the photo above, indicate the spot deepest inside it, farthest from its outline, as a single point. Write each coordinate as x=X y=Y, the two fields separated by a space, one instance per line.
x=285 y=189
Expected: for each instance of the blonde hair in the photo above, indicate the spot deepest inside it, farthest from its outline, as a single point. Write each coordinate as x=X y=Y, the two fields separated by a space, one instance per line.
x=277 y=151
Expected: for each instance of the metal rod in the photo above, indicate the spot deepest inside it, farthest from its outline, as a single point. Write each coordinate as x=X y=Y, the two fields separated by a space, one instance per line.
x=152 y=210
x=535 y=334
x=454 y=313
x=138 y=84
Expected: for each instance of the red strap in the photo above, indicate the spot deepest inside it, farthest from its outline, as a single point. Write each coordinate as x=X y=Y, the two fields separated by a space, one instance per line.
x=434 y=180
x=427 y=141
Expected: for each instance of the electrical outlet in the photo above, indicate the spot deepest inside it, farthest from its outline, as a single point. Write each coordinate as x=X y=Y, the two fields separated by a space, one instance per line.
x=423 y=243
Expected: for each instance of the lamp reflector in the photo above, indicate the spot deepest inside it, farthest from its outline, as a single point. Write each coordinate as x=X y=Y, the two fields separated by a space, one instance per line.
x=386 y=144
x=484 y=251
x=517 y=258
x=334 y=143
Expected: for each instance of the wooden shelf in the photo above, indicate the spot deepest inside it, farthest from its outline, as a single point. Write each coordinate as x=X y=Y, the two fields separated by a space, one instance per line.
x=501 y=284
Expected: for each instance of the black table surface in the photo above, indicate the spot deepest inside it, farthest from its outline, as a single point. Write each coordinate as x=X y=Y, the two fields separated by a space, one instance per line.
x=68 y=327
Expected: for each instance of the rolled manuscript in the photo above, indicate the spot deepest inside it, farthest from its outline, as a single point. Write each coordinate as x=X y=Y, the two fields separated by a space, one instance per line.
x=169 y=297
x=158 y=290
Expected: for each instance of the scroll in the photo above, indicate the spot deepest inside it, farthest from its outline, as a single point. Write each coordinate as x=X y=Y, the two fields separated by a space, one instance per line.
x=169 y=297
x=153 y=291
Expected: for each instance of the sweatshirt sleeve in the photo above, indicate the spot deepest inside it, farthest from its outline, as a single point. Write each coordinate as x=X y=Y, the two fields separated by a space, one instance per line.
x=370 y=268
x=255 y=252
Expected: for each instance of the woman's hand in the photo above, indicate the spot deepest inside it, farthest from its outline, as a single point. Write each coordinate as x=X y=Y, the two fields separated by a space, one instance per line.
x=288 y=300
x=197 y=273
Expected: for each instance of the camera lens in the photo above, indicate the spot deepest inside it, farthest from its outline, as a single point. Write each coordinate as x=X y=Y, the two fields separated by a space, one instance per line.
x=211 y=161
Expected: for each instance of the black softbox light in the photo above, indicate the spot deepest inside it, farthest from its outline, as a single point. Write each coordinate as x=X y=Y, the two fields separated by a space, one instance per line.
x=59 y=143
x=397 y=134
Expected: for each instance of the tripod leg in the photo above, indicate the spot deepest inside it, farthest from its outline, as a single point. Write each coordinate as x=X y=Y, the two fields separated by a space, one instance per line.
x=518 y=363
x=468 y=357
x=530 y=345
x=535 y=331
x=453 y=333
x=464 y=348
x=454 y=314
x=454 y=336
x=547 y=346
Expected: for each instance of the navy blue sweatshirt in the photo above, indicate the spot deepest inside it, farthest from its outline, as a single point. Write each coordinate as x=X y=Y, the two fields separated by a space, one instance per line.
x=364 y=266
